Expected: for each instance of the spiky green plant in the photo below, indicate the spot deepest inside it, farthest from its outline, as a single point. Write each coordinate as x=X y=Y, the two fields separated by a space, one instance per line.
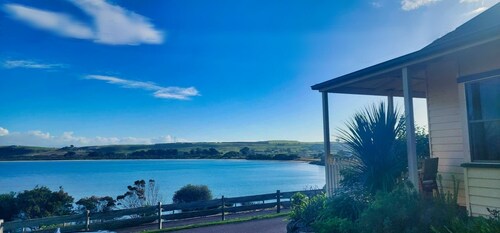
x=371 y=136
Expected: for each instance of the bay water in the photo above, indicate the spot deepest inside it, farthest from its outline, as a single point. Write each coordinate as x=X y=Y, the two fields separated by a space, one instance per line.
x=230 y=178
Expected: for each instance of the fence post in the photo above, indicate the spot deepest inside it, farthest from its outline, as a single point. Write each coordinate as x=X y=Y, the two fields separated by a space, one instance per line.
x=223 y=208
x=1 y=225
x=87 y=220
x=160 y=220
x=278 y=201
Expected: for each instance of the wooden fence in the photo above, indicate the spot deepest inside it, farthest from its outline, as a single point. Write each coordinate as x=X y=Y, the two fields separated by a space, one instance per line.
x=116 y=219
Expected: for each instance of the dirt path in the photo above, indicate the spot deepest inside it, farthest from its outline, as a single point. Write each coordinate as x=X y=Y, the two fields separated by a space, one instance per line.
x=273 y=225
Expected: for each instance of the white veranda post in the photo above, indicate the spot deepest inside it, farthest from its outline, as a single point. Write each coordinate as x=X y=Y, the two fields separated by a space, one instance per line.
x=329 y=163
x=410 y=128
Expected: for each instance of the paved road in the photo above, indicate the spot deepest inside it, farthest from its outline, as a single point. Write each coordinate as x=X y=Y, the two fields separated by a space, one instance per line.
x=273 y=225
x=168 y=224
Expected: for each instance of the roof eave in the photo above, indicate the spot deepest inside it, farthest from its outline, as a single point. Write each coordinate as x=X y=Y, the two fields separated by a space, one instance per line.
x=419 y=56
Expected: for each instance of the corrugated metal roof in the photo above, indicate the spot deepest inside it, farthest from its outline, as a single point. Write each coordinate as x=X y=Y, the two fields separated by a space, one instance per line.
x=482 y=28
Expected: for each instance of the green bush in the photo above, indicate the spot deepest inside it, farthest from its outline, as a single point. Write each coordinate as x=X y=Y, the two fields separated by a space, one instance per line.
x=8 y=206
x=472 y=225
x=191 y=193
x=307 y=209
x=397 y=211
x=334 y=225
x=42 y=202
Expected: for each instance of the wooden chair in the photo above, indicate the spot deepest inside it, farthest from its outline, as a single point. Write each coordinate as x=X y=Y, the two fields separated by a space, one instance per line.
x=427 y=176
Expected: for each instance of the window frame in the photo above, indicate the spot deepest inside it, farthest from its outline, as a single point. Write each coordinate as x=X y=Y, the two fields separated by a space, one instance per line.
x=468 y=80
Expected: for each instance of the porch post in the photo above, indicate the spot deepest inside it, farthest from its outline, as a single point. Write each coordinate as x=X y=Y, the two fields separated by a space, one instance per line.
x=410 y=129
x=326 y=138
x=390 y=103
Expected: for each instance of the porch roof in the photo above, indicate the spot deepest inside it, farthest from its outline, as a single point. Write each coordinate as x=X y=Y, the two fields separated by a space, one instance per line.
x=385 y=78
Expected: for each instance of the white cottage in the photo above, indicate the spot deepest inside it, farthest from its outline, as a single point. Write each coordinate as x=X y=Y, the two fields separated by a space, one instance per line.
x=459 y=76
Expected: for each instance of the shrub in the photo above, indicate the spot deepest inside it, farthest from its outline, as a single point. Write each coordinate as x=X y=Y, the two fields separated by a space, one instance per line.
x=191 y=193
x=8 y=206
x=396 y=211
x=334 y=225
x=347 y=203
x=472 y=225
x=305 y=211
x=42 y=202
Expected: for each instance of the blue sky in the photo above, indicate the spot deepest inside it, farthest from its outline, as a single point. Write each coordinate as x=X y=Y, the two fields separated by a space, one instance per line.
x=88 y=72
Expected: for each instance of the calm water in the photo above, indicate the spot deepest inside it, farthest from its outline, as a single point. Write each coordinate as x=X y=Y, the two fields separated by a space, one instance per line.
x=224 y=177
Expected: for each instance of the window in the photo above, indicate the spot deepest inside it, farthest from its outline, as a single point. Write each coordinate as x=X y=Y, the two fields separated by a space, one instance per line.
x=483 y=113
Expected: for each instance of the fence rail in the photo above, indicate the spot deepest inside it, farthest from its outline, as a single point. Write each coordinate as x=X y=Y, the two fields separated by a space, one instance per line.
x=132 y=217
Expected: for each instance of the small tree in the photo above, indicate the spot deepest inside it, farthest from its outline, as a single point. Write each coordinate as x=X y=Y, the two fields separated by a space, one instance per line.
x=191 y=193
x=96 y=204
x=140 y=194
x=42 y=202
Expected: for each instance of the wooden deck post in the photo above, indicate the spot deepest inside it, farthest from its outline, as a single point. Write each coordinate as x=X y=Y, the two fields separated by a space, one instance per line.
x=160 y=220
x=223 y=208
x=87 y=220
x=390 y=104
x=328 y=157
x=278 y=201
x=410 y=129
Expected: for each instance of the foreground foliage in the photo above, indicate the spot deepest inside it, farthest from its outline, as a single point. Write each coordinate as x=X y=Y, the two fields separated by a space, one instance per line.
x=371 y=137
x=401 y=210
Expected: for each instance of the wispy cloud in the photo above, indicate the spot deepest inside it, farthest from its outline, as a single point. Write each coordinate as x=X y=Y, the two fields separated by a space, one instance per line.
x=40 y=138
x=409 y=5
x=111 y=24
x=59 y=23
x=116 y=25
x=470 y=1
x=3 y=131
x=476 y=11
x=376 y=4
x=29 y=64
x=179 y=93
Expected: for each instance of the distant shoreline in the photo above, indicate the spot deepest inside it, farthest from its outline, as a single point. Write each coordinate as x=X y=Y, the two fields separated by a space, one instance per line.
x=104 y=160
x=262 y=150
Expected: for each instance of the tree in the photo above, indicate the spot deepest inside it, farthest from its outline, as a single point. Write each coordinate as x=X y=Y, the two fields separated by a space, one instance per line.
x=42 y=202
x=191 y=193
x=96 y=204
x=139 y=194
x=371 y=138
x=8 y=206
x=245 y=151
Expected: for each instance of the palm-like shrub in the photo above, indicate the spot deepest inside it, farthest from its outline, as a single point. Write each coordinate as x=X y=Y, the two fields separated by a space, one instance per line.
x=372 y=139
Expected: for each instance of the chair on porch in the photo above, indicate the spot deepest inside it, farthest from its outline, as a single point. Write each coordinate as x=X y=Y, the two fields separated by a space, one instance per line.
x=427 y=176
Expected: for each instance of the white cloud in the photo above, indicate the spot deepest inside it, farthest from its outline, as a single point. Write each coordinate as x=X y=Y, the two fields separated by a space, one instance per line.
x=40 y=138
x=470 y=1
x=39 y=134
x=11 y=64
x=476 y=11
x=179 y=93
x=116 y=25
x=111 y=24
x=3 y=132
x=409 y=5
x=59 y=23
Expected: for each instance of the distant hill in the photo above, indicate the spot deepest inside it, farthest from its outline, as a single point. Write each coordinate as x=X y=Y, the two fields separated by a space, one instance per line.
x=275 y=149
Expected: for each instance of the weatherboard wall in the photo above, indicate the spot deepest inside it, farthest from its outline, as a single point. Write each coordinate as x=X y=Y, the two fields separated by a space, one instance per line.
x=479 y=187
x=445 y=124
